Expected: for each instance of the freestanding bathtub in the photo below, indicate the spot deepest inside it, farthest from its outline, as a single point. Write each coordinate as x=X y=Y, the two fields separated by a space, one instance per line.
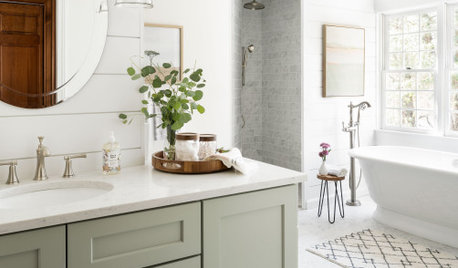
x=416 y=190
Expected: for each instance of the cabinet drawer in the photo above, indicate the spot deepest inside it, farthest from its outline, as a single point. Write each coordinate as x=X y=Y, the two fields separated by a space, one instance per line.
x=34 y=249
x=189 y=263
x=139 y=239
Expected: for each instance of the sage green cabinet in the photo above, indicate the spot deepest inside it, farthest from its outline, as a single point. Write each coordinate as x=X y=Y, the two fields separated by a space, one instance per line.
x=257 y=229
x=189 y=263
x=43 y=248
x=135 y=240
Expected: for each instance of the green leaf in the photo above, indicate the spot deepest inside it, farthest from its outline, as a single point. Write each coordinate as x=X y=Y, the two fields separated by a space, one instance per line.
x=185 y=80
x=200 y=85
x=174 y=80
x=166 y=65
x=190 y=93
x=185 y=106
x=182 y=89
x=143 y=89
x=136 y=77
x=167 y=78
x=147 y=70
x=187 y=70
x=122 y=116
x=144 y=110
x=198 y=94
x=191 y=85
x=168 y=93
x=177 y=106
x=177 y=125
x=145 y=102
x=185 y=118
x=157 y=82
x=195 y=77
x=200 y=109
x=193 y=105
x=131 y=71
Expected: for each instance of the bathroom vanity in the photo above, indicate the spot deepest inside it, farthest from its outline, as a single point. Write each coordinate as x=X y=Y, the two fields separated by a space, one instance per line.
x=146 y=218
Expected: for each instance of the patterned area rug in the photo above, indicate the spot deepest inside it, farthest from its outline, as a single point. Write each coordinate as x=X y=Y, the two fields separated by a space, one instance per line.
x=370 y=248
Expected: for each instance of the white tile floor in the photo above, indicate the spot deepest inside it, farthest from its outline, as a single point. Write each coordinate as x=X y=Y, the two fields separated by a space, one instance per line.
x=314 y=230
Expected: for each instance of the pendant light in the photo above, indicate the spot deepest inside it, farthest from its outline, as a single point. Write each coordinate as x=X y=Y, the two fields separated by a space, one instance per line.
x=134 y=3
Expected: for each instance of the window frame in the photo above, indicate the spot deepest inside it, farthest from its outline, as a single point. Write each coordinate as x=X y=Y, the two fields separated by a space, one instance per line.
x=447 y=82
x=438 y=71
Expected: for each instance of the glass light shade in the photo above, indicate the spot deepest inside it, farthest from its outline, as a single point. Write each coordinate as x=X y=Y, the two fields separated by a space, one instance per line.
x=134 y=3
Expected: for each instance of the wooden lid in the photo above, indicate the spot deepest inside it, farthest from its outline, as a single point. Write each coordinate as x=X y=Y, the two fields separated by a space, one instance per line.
x=187 y=136
x=330 y=178
x=207 y=137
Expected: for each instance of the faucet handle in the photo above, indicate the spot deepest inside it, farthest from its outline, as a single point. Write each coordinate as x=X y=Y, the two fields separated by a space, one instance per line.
x=12 y=175
x=68 y=172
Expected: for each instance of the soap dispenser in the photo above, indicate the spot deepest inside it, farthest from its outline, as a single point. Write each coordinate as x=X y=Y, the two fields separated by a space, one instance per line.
x=111 y=156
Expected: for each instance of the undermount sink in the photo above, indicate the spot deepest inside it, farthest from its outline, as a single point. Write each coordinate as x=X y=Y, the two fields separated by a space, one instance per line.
x=46 y=194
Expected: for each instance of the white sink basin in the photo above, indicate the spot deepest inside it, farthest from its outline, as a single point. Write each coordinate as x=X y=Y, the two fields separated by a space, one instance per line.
x=47 y=194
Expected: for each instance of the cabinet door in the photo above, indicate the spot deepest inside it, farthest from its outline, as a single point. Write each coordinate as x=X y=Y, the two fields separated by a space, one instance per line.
x=189 y=263
x=257 y=229
x=140 y=239
x=43 y=248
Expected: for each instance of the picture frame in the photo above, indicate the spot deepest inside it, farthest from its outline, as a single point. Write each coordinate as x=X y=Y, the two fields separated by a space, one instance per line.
x=167 y=40
x=344 y=63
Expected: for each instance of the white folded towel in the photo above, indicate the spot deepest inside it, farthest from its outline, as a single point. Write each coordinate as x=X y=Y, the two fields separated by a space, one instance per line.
x=234 y=158
x=339 y=172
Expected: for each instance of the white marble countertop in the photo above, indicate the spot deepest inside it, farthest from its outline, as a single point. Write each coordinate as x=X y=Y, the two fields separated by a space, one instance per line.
x=140 y=188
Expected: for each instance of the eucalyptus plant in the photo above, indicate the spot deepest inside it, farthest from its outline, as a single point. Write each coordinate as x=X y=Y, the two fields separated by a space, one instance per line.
x=176 y=99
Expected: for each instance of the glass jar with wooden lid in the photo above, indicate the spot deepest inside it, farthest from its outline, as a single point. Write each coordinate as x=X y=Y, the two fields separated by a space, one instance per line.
x=207 y=145
x=187 y=146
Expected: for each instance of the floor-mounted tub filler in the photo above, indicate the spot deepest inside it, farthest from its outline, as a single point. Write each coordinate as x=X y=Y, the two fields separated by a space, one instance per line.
x=415 y=189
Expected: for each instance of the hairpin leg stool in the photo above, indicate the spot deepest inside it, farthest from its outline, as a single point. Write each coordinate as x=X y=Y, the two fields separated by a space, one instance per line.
x=338 y=198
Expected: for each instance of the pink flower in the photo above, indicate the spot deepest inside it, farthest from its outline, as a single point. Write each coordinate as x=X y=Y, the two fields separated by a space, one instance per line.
x=325 y=145
x=325 y=152
x=321 y=154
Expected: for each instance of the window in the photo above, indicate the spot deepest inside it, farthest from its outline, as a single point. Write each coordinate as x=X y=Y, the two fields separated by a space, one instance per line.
x=452 y=71
x=410 y=71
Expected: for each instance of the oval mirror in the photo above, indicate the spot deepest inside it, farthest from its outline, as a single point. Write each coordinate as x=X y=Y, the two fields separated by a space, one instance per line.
x=49 y=49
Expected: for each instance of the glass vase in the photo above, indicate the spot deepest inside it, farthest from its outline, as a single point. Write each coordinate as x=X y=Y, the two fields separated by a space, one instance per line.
x=169 y=146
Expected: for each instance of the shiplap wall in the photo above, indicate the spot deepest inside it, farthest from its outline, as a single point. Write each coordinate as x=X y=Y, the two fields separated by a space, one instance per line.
x=323 y=116
x=82 y=123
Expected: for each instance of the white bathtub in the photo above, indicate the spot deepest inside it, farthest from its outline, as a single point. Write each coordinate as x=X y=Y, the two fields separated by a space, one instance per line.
x=416 y=190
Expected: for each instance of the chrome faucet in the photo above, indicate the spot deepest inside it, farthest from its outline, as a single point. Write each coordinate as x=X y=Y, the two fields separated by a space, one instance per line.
x=353 y=129
x=42 y=153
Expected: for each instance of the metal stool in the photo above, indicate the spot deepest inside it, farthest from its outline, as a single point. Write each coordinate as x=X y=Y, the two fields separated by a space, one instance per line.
x=338 y=200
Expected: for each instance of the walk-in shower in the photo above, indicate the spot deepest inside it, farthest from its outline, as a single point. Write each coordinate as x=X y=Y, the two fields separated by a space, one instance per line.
x=353 y=129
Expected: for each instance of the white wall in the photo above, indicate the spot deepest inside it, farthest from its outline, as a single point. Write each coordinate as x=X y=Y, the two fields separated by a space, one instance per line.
x=323 y=117
x=393 y=5
x=82 y=123
x=207 y=42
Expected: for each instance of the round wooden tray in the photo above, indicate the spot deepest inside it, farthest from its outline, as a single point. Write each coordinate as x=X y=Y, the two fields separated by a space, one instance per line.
x=187 y=167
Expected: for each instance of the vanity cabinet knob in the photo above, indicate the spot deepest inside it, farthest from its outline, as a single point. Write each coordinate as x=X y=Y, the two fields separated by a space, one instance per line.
x=12 y=175
x=68 y=172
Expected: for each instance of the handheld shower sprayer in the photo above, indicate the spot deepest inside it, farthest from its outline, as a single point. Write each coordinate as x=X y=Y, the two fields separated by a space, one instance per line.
x=353 y=129
x=246 y=50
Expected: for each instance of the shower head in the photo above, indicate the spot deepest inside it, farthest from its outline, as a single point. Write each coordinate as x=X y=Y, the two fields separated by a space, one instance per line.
x=250 y=48
x=253 y=5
